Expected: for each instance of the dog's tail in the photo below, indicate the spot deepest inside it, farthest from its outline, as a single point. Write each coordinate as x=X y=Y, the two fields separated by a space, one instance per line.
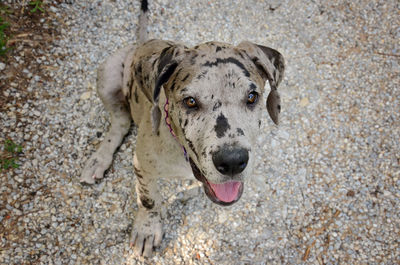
x=143 y=21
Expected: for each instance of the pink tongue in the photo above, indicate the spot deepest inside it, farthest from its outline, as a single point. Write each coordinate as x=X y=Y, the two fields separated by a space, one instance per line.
x=227 y=191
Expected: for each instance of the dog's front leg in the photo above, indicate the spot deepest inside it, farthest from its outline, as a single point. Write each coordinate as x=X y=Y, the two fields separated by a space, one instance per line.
x=147 y=230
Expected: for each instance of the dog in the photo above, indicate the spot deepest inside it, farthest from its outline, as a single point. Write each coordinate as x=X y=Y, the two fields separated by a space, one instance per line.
x=198 y=112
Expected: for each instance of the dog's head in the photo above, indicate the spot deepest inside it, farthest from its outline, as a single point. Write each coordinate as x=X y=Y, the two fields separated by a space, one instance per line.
x=214 y=92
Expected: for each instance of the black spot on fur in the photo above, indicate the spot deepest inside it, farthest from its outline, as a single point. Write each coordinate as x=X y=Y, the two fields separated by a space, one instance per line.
x=259 y=124
x=143 y=189
x=191 y=146
x=140 y=180
x=221 y=126
x=228 y=60
x=192 y=60
x=186 y=123
x=217 y=105
x=94 y=162
x=163 y=78
x=218 y=49
x=129 y=83
x=147 y=202
x=202 y=75
x=153 y=64
x=136 y=96
x=203 y=154
x=173 y=85
x=186 y=77
x=253 y=87
x=153 y=214
x=178 y=72
x=136 y=169
x=138 y=69
x=239 y=132
x=165 y=58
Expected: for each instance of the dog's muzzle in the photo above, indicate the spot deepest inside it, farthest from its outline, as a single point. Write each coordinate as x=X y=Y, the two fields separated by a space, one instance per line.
x=229 y=161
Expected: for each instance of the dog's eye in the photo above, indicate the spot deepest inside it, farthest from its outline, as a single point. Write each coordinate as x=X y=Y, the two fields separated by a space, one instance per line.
x=190 y=102
x=252 y=98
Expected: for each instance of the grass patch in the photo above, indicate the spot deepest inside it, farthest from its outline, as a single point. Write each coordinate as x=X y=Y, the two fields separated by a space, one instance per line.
x=37 y=5
x=9 y=158
x=3 y=37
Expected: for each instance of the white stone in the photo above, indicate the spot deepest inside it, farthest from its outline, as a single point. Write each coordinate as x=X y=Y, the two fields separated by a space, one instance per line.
x=86 y=95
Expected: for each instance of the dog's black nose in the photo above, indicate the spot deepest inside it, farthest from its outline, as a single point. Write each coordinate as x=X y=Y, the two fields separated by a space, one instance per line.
x=230 y=160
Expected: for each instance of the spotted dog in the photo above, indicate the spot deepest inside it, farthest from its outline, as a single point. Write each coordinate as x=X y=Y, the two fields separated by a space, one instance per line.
x=198 y=111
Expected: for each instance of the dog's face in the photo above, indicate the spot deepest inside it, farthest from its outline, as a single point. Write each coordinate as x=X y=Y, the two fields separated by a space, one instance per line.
x=215 y=103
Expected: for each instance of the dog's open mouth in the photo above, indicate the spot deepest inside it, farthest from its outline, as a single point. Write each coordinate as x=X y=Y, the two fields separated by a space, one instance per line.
x=223 y=194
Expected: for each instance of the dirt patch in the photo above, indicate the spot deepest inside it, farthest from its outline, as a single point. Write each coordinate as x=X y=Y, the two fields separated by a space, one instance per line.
x=30 y=37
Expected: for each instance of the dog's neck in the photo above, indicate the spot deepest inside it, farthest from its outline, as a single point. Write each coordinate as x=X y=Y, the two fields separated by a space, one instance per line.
x=168 y=123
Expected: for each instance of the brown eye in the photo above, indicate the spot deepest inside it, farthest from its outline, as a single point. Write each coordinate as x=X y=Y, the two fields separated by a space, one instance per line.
x=252 y=98
x=190 y=102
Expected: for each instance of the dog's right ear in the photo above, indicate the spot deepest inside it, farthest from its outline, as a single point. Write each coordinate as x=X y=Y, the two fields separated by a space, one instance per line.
x=162 y=79
x=167 y=64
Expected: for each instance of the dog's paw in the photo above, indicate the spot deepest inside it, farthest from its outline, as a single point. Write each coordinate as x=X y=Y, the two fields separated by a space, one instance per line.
x=95 y=168
x=147 y=233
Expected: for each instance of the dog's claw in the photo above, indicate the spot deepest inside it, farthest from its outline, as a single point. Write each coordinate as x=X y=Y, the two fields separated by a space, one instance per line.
x=147 y=234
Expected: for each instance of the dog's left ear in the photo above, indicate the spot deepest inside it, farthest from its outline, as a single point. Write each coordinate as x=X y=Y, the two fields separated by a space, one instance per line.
x=271 y=66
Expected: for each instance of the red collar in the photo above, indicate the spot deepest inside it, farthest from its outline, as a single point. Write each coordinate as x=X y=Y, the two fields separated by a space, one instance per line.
x=168 y=123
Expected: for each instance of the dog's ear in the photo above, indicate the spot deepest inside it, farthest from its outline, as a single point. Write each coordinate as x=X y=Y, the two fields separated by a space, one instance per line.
x=162 y=79
x=167 y=63
x=271 y=66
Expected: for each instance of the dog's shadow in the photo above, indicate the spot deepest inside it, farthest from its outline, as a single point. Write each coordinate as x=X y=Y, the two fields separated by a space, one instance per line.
x=185 y=202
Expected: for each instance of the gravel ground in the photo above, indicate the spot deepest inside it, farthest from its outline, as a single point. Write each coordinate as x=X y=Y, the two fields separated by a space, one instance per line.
x=329 y=194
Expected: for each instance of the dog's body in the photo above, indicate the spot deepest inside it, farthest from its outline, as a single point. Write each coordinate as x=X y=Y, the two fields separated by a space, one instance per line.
x=197 y=113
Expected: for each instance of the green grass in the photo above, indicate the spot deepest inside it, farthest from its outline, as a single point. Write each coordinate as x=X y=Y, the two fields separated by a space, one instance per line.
x=9 y=158
x=3 y=37
x=37 y=5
